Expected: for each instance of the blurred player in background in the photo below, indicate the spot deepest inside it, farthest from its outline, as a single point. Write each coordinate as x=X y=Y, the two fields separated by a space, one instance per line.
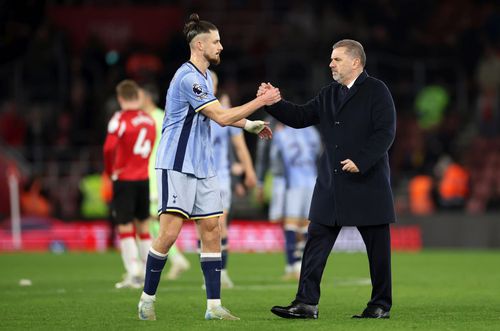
x=130 y=138
x=299 y=151
x=221 y=137
x=271 y=165
x=188 y=185
x=179 y=263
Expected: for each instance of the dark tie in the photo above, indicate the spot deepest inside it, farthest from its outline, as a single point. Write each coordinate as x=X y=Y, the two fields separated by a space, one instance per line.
x=343 y=93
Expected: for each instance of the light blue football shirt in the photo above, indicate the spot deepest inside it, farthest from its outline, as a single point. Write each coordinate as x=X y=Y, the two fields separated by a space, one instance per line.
x=299 y=149
x=221 y=138
x=185 y=144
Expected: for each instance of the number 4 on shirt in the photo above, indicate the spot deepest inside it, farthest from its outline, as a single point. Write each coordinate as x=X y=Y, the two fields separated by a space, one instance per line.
x=142 y=145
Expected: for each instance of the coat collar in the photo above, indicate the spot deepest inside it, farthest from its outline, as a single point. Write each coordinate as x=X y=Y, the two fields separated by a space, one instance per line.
x=361 y=78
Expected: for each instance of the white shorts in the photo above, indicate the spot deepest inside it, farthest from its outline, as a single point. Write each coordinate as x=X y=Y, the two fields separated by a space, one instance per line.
x=298 y=202
x=277 y=204
x=191 y=197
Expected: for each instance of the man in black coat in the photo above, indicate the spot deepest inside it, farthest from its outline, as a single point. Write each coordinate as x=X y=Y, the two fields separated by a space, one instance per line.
x=357 y=120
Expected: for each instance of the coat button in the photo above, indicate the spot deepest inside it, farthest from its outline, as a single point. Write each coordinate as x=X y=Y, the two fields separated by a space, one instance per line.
x=336 y=146
x=337 y=123
x=335 y=170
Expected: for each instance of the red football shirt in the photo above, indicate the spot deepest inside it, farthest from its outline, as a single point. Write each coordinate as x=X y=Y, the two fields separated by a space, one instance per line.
x=130 y=139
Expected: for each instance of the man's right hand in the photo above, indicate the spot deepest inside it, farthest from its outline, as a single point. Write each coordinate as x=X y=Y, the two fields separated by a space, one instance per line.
x=264 y=87
x=269 y=94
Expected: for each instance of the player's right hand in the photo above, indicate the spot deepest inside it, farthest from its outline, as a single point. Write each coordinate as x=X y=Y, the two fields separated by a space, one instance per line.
x=270 y=95
x=263 y=88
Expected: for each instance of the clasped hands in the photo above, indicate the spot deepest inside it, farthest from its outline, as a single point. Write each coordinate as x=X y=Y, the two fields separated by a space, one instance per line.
x=270 y=93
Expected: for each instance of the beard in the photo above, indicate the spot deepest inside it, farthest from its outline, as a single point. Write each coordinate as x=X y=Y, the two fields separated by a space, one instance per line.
x=215 y=60
x=336 y=76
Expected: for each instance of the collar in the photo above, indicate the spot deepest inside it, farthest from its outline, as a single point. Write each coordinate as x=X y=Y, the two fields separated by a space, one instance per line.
x=354 y=80
x=194 y=66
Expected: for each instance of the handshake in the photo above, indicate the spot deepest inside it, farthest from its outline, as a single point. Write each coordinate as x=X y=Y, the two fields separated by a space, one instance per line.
x=268 y=94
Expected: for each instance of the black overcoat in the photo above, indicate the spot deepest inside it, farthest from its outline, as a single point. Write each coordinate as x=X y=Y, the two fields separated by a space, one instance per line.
x=362 y=128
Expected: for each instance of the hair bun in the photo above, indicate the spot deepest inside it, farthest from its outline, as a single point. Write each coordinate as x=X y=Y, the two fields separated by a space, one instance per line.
x=194 y=18
x=194 y=26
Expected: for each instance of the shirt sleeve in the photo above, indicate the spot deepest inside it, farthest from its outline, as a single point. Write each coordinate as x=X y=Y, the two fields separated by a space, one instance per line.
x=111 y=143
x=298 y=116
x=197 y=92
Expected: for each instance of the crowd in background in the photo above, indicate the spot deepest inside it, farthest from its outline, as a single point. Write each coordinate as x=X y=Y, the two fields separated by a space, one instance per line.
x=441 y=60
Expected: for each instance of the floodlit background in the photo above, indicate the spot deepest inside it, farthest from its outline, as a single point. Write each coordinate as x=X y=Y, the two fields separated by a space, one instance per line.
x=60 y=62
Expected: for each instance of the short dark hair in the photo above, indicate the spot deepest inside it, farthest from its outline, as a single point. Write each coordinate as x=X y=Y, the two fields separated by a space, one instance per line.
x=194 y=27
x=128 y=90
x=354 y=49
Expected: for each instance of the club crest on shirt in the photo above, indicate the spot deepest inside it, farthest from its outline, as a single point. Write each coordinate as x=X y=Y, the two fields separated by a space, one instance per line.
x=198 y=90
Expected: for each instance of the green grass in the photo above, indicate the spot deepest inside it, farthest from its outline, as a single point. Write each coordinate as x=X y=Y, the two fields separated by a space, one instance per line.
x=433 y=290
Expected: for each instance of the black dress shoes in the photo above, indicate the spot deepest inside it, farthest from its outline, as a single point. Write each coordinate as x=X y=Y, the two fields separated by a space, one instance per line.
x=373 y=312
x=296 y=310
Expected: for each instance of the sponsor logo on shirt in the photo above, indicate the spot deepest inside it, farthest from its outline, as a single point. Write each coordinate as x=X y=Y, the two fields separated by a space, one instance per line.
x=198 y=90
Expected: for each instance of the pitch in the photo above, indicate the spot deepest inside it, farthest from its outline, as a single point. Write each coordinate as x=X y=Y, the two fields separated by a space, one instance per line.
x=433 y=290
